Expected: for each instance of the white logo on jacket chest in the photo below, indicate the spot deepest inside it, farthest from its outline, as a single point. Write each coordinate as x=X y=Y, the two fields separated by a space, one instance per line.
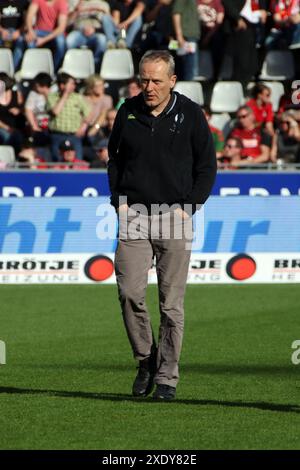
x=178 y=119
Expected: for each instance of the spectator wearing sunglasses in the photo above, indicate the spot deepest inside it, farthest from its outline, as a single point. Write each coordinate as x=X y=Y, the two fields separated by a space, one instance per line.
x=232 y=156
x=257 y=143
x=261 y=105
x=288 y=137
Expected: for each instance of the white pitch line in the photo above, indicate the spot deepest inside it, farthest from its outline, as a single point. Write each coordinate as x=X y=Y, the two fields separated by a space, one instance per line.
x=2 y=353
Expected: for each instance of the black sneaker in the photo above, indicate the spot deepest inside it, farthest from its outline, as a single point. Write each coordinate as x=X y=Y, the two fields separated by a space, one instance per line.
x=144 y=381
x=164 y=392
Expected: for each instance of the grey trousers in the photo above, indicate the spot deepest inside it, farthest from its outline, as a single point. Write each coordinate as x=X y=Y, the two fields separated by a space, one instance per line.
x=135 y=253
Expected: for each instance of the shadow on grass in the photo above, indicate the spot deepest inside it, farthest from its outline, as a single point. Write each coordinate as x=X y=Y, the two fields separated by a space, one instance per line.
x=205 y=369
x=122 y=397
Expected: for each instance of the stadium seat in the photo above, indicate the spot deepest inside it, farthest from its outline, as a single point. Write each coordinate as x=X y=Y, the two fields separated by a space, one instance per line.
x=222 y=122
x=192 y=90
x=117 y=64
x=7 y=154
x=227 y=97
x=278 y=65
x=6 y=62
x=79 y=63
x=206 y=68
x=35 y=61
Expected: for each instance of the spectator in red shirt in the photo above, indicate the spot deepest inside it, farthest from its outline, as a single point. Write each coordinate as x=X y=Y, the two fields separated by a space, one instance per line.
x=286 y=17
x=46 y=23
x=262 y=107
x=256 y=142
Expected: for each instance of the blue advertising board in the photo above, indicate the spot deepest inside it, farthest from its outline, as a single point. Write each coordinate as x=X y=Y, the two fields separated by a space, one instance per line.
x=95 y=183
x=88 y=225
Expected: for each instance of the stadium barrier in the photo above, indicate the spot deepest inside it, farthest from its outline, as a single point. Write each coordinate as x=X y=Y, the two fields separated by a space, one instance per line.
x=94 y=183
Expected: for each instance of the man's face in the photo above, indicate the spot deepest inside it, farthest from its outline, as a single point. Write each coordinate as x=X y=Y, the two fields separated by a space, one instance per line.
x=231 y=149
x=265 y=96
x=246 y=118
x=156 y=84
x=69 y=155
x=103 y=155
x=70 y=85
x=98 y=88
x=41 y=89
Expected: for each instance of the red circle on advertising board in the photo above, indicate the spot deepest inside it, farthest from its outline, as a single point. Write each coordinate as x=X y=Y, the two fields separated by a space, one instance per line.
x=241 y=267
x=99 y=268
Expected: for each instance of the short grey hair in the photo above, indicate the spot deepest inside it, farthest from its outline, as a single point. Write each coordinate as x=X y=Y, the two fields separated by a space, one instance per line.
x=156 y=56
x=246 y=108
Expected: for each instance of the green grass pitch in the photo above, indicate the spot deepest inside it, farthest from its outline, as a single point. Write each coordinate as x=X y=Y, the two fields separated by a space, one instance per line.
x=69 y=371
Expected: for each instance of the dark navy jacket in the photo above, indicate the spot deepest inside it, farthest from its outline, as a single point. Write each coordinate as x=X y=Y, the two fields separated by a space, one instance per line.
x=165 y=159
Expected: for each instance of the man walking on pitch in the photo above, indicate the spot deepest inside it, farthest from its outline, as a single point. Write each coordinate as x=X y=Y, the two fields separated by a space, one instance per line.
x=162 y=164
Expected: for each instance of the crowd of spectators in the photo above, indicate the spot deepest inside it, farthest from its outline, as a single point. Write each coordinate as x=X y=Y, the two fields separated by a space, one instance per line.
x=66 y=122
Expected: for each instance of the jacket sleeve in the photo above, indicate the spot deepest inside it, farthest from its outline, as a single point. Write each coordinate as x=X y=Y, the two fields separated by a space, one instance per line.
x=205 y=162
x=115 y=166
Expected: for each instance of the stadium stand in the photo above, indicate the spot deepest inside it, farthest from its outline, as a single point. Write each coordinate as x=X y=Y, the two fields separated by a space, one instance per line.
x=277 y=67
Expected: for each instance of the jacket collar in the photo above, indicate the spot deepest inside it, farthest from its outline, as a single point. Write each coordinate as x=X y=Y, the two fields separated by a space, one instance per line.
x=138 y=107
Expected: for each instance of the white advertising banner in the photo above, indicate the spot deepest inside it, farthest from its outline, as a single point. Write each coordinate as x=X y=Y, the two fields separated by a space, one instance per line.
x=207 y=268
